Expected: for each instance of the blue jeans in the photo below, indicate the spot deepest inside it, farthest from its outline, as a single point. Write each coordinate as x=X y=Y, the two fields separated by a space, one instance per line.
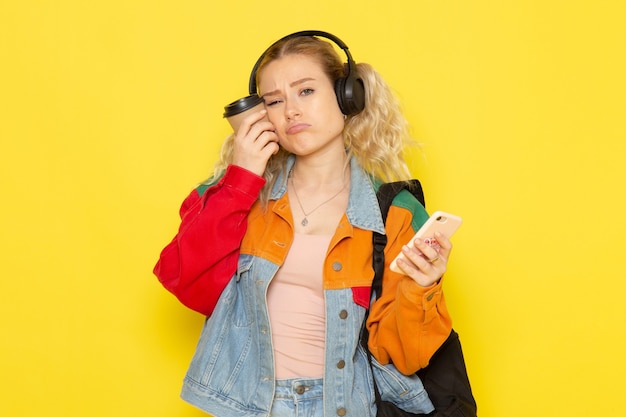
x=298 y=397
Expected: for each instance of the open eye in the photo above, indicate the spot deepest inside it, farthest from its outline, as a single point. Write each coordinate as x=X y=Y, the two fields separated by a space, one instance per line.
x=306 y=91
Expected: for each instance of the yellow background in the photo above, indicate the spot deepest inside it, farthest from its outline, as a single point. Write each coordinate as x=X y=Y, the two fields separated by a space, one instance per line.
x=111 y=112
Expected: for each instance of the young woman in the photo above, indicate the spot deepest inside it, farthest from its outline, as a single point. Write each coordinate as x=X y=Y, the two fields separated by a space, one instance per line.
x=276 y=251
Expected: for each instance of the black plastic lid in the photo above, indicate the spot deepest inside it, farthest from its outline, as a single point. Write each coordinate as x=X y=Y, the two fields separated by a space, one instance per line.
x=242 y=105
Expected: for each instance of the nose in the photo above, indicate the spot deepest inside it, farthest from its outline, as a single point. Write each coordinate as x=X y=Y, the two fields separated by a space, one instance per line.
x=292 y=111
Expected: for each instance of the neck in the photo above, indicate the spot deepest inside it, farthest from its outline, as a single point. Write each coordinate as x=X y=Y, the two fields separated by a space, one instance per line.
x=321 y=172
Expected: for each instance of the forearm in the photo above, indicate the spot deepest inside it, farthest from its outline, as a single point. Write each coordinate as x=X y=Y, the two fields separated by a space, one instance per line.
x=408 y=324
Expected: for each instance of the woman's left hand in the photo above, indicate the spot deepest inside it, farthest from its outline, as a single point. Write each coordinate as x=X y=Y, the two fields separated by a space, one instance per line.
x=426 y=262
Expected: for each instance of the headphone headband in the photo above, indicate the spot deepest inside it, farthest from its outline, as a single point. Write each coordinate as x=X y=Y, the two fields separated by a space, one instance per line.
x=349 y=90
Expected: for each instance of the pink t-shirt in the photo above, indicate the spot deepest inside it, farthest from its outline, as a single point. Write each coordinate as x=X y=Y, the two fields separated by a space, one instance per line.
x=295 y=300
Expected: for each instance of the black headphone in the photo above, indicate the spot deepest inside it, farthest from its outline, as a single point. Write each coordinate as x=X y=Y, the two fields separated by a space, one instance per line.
x=349 y=90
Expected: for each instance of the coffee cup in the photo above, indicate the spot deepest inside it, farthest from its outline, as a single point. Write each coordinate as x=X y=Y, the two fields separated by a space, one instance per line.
x=238 y=110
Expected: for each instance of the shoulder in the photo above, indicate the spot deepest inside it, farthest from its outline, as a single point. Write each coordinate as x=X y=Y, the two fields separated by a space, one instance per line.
x=407 y=200
x=206 y=184
x=407 y=204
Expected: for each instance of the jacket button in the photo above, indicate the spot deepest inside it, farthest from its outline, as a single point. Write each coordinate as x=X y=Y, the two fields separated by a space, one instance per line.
x=300 y=389
x=341 y=412
x=341 y=364
x=430 y=296
x=337 y=266
x=343 y=314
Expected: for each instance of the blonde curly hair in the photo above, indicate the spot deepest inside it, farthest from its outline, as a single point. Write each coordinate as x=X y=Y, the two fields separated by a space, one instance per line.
x=377 y=136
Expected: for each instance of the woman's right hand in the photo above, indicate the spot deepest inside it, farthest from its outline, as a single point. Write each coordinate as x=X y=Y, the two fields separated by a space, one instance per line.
x=255 y=142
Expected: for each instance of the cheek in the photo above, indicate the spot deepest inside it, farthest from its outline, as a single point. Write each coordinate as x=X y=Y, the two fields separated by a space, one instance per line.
x=271 y=115
x=337 y=124
x=274 y=116
x=278 y=123
x=331 y=112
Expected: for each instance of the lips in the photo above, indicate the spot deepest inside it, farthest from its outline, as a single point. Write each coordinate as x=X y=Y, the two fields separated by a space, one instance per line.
x=297 y=128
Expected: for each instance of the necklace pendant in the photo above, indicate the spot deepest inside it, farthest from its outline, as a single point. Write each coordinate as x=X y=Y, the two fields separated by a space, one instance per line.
x=304 y=222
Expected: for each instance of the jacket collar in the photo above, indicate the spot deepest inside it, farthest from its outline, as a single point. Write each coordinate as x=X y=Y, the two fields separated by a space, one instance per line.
x=363 y=210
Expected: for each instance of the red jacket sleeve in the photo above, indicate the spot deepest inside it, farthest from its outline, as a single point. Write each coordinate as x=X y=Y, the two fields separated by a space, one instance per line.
x=198 y=263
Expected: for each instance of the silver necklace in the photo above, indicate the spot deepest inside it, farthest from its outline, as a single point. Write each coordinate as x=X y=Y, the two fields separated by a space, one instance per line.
x=305 y=221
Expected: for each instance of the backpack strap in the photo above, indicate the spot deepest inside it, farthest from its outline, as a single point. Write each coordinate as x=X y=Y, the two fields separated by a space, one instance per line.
x=386 y=193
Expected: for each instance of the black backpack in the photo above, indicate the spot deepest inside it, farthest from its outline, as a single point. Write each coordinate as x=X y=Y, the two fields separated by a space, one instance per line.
x=445 y=378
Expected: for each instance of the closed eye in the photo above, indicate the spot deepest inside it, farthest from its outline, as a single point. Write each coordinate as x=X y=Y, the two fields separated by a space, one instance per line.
x=271 y=102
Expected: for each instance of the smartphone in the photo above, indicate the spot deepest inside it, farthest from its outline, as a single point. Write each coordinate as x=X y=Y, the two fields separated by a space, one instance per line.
x=439 y=221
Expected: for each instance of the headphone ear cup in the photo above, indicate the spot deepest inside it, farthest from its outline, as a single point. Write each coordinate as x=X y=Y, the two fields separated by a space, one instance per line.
x=350 y=94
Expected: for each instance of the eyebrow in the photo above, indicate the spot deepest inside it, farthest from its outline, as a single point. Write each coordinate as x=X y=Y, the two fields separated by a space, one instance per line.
x=293 y=84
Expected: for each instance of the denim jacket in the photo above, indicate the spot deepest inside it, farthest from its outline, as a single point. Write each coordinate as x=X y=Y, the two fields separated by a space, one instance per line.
x=232 y=371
